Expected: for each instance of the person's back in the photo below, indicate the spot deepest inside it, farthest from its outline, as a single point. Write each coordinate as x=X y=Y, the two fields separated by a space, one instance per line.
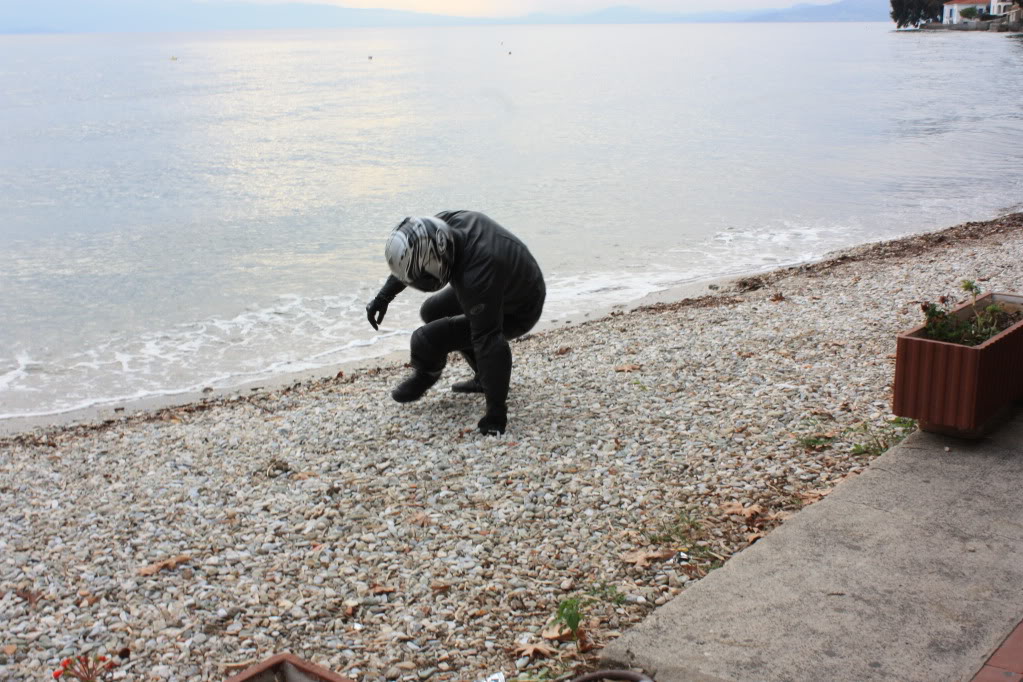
x=489 y=252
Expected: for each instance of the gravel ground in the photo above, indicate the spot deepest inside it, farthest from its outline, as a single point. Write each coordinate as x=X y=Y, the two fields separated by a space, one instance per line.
x=393 y=542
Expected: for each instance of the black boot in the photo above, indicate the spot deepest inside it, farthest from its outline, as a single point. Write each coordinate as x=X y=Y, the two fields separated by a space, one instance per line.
x=469 y=386
x=413 y=387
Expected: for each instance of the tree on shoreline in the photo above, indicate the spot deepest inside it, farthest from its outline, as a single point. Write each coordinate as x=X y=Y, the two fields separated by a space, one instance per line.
x=916 y=12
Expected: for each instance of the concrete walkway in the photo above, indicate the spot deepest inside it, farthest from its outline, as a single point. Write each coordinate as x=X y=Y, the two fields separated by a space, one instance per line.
x=911 y=571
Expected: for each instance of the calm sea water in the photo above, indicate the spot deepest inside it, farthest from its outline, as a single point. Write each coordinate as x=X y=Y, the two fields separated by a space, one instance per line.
x=190 y=210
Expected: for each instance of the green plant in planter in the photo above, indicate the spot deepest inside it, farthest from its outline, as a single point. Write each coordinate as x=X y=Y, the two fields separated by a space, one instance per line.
x=969 y=13
x=972 y=330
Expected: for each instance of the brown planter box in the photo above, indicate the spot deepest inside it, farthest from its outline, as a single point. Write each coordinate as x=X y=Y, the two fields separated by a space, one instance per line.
x=956 y=389
x=286 y=668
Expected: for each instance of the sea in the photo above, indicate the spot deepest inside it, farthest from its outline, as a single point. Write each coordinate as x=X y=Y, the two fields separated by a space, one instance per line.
x=205 y=210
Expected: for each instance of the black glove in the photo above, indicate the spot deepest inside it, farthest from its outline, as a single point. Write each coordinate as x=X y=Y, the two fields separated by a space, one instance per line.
x=375 y=311
x=494 y=422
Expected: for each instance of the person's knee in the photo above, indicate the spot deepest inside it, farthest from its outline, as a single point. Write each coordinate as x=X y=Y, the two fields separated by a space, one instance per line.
x=440 y=305
x=430 y=311
x=427 y=354
x=421 y=341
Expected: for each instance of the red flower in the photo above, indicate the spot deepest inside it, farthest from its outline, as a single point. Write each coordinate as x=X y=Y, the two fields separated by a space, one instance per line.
x=65 y=663
x=57 y=673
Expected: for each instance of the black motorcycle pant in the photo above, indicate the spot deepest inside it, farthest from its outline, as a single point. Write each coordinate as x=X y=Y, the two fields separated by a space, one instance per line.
x=447 y=330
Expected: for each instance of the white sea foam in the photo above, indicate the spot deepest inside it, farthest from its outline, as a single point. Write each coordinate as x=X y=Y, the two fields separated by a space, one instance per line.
x=294 y=334
x=291 y=336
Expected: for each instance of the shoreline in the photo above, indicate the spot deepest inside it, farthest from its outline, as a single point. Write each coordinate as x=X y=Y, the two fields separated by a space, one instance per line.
x=104 y=414
x=645 y=448
x=97 y=416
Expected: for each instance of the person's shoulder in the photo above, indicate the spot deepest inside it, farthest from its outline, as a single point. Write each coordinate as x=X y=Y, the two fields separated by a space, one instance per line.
x=448 y=216
x=463 y=216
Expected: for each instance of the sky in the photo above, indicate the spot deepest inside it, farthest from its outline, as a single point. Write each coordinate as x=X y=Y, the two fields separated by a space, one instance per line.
x=517 y=8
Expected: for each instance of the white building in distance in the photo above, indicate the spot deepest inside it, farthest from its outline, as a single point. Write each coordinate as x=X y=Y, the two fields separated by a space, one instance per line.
x=953 y=9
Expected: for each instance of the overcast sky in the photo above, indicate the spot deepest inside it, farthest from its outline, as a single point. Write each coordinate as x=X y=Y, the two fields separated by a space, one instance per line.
x=515 y=8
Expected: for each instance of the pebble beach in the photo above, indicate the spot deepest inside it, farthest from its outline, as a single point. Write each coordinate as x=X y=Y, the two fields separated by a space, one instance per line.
x=393 y=542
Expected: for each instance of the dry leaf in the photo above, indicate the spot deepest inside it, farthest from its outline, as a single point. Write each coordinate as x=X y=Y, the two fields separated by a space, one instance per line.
x=564 y=350
x=811 y=496
x=153 y=569
x=440 y=587
x=777 y=297
x=29 y=596
x=628 y=368
x=558 y=632
x=421 y=519
x=694 y=571
x=779 y=516
x=731 y=507
x=10 y=649
x=751 y=511
x=382 y=589
x=753 y=537
x=641 y=558
x=303 y=475
x=534 y=650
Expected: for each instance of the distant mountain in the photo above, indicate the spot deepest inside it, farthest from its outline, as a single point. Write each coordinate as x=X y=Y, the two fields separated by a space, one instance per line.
x=845 y=10
x=632 y=15
x=85 y=16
